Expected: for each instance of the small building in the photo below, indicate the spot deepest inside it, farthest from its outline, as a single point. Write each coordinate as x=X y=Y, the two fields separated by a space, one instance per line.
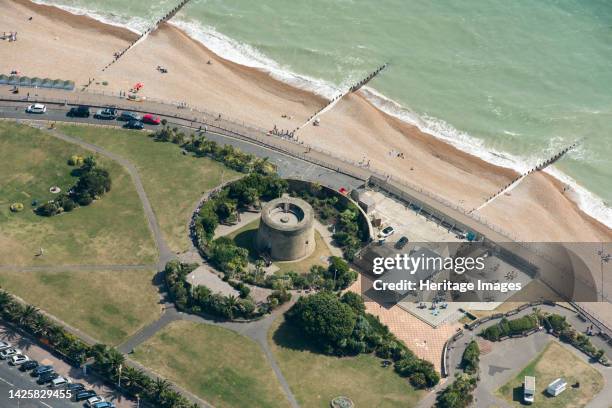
x=529 y=389
x=556 y=387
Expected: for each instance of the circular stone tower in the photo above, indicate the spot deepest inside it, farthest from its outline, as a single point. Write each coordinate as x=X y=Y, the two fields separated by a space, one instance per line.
x=286 y=229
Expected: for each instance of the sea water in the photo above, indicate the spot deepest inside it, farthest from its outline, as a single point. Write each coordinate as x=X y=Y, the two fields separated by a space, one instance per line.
x=512 y=82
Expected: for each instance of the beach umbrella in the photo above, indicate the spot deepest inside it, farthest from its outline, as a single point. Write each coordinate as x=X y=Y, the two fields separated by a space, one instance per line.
x=36 y=81
x=24 y=81
x=58 y=84
x=13 y=80
x=4 y=79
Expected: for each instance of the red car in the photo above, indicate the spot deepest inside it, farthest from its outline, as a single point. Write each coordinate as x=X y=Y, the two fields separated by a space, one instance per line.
x=151 y=119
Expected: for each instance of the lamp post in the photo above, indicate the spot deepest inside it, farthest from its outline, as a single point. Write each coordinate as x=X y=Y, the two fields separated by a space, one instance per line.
x=605 y=258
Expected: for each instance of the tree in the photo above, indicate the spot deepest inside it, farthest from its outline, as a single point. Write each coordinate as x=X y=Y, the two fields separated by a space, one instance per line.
x=355 y=301
x=324 y=318
x=470 y=358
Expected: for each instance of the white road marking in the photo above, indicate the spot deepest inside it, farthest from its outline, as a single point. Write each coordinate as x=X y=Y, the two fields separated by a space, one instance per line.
x=45 y=404
x=3 y=380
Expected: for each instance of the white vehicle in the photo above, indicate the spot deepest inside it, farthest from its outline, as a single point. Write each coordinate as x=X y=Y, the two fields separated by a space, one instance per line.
x=18 y=359
x=4 y=345
x=9 y=352
x=59 y=381
x=529 y=389
x=94 y=400
x=36 y=108
x=386 y=232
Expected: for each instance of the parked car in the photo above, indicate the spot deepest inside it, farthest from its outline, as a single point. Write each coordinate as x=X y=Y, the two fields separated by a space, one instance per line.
x=104 y=404
x=59 y=382
x=151 y=119
x=4 y=345
x=18 y=359
x=47 y=377
x=386 y=232
x=36 y=108
x=75 y=387
x=134 y=124
x=401 y=243
x=129 y=116
x=9 y=352
x=29 y=365
x=106 y=114
x=79 y=112
x=94 y=400
x=84 y=395
x=41 y=370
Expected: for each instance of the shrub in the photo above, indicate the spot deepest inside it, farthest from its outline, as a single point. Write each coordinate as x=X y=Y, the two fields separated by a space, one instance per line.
x=470 y=358
x=75 y=160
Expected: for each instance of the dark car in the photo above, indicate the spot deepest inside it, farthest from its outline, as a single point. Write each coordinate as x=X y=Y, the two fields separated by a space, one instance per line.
x=28 y=365
x=47 y=377
x=40 y=370
x=79 y=112
x=75 y=387
x=134 y=124
x=85 y=394
x=106 y=114
x=129 y=116
x=401 y=243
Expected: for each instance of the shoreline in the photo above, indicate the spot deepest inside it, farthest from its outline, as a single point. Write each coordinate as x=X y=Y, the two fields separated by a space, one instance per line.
x=477 y=173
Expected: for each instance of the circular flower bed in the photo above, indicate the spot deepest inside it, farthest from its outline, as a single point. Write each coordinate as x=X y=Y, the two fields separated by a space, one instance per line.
x=342 y=402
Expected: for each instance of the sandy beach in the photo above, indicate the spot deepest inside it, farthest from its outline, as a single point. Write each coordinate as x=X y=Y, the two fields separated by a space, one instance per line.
x=57 y=44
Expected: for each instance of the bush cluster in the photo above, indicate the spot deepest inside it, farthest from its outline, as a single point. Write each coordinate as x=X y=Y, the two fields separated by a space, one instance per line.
x=200 y=299
x=458 y=394
x=471 y=358
x=340 y=326
x=92 y=184
x=106 y=360
x=511 y=327
x=226 y=154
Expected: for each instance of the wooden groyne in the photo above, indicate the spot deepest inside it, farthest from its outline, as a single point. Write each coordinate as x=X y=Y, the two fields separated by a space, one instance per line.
x=540 y=166
x=353 y=88
x=141 y=37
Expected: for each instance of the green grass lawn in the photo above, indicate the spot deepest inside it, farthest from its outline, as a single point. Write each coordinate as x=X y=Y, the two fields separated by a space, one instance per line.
x=222 y=367
x=107 y=305
x=112 y=230
x=245 y=237
x=174 y=183
x=553 y=362
x=316 y=379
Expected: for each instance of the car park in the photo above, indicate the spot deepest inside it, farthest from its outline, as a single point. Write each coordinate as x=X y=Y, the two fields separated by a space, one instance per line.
x=28 y=365
x=106 y=114
x=94 y=400
x=59 y=382
x=4 y=345
x=47 y=377
x=386 y=232
x=151 y=119
x=79 y=112
x=4 y=354
x=84 y=395
x=36 y=108
x=18 y=359
x=401 y=243
x=41 y=370
x=134 y=124
x=129 y=116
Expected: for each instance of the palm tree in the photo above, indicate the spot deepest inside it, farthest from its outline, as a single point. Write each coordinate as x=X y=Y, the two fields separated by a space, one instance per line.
x=159 y=388
x=28 y=314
